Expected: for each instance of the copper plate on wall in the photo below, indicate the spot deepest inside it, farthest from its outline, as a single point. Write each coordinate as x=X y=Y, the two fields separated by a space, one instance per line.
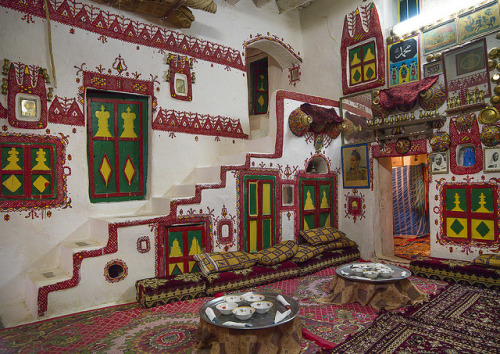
x=489 y=115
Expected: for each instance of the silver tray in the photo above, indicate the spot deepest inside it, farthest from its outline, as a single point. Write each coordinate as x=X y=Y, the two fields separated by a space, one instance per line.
x=258 y=321
x=345 y=272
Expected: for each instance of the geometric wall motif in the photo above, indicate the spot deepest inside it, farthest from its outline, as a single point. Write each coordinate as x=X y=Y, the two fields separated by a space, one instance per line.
x=362 y=51
x=470 y=213
x=31 y=172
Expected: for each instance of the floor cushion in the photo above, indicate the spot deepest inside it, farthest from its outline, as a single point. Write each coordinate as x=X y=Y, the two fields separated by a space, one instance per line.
x=455 y=271
x=329 y=259
x=244 y=278
x=158 y=291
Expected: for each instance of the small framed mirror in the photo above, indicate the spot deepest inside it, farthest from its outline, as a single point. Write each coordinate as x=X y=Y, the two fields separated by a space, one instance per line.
x=356 y=109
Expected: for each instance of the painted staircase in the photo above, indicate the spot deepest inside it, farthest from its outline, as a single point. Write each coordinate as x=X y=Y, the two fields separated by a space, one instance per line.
x=93 y=239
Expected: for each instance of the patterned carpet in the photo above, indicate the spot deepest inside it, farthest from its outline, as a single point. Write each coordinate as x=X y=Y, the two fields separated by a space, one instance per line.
x=410 y=248
x=459 y=320
x=173 y=328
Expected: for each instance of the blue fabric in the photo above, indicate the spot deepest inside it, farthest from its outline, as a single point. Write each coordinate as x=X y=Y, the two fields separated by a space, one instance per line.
x=408 y=201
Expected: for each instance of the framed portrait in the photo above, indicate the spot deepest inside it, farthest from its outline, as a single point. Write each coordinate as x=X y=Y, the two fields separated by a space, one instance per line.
x=491 y=159
x=439 y=162
x=355 y=166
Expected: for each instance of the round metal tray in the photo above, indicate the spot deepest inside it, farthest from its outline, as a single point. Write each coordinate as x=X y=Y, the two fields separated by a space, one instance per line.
x=258 y=321
x=345 y=272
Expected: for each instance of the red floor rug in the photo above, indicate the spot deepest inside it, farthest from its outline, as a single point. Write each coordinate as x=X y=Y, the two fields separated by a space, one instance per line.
x=173 y=328
x=410 y=248
x=458 y=320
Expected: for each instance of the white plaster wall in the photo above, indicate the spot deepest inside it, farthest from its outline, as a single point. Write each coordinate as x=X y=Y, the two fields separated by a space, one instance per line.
x=30 y=243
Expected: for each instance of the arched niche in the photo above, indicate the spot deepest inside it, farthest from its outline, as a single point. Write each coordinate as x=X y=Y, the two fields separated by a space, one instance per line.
x=317 y=165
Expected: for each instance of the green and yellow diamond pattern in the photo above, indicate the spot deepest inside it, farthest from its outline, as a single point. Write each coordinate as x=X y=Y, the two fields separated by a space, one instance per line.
x=482 y=229
x=456 y=227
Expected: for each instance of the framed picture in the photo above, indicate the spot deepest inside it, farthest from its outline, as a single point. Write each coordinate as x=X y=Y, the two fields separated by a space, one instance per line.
x=287 y=195
x=478 y=22
x=404 y=63
x=440 y=37
x=492 y=159
x=355 y=166
x=466 y=68
x=434 y=68
x=439 y=162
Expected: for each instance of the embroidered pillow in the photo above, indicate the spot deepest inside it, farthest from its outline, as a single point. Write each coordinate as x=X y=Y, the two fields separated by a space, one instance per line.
x=224 y=261
x=488 y=260
x=306 y=251
x=321 y=235
x=342 y=242
x=277 y=253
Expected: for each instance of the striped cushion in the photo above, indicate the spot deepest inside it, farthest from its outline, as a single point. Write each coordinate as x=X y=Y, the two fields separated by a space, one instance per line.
x=306 y=251
x=278 y=253
x=488 y=260
x=321 y=235
x=221 y=262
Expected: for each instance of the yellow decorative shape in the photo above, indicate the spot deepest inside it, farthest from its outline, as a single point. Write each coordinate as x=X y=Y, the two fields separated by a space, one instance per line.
x=103 y=124
x=191 y=265
x=475 y=235
x=266 y=199
x=175 y=249
x=40 y=159
x=105 y=169
x=327 y=221
x=457 y=203
x=369 y=55
x=449 y=230
x=306 y=226
x=481 y=203
x=129 y=170
x=128 y=124
x=324 y=201
x=41 y=183
x=355 y=60
x=309 y=204
x=195 y=247
x=253 y=236
x=367 y=68
x=13 y=160
x=261 y=101
x=12 y=184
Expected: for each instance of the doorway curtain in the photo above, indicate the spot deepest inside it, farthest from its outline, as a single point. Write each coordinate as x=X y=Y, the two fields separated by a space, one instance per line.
x=409 y=200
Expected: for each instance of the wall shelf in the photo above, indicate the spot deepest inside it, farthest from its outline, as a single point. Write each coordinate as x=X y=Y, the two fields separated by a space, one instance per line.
x=429 y=123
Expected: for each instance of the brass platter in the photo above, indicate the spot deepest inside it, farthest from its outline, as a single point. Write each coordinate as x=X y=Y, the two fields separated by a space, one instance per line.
x=489 y=115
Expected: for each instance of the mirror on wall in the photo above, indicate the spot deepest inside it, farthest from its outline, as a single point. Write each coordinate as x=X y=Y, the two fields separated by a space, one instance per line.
x=356 y=109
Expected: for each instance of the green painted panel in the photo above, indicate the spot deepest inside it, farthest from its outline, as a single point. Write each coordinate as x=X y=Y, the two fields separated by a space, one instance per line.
x=41 y=185
x=309 y=197
x=324 y=193
x=456 y=199
x=309 y=222
x=175 y=244
x=103 y=124
x=130 y=166
x=129 y=119
x=482 y=200
x=12 y=158
x=195 y=242
x=12 y=185
x=103 y=149
x=325 y=219
x=41 y=159
x=252 y=199
x=266 y=233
